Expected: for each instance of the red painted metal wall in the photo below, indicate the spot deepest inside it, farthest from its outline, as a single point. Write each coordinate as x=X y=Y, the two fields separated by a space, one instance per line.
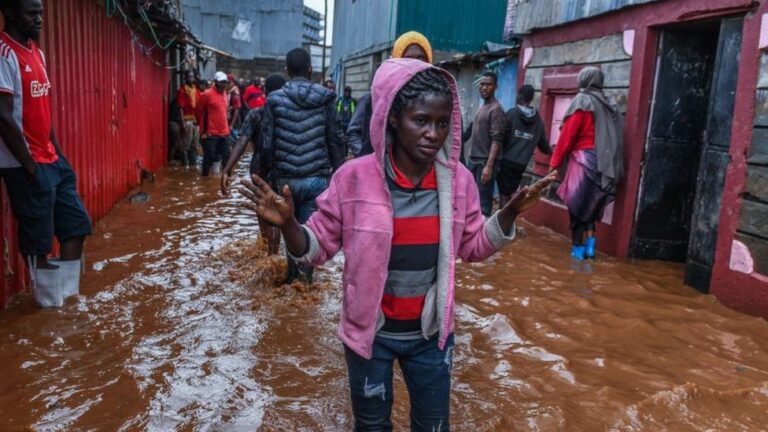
x=110 y=111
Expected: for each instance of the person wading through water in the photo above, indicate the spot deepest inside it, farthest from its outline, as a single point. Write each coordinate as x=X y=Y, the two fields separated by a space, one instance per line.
x=41 y=185
x=591 y=139
x=402 y=216
x=251 y=132
x=411 y=45
x=212 y=110
x=187 y=98
x=300 y=142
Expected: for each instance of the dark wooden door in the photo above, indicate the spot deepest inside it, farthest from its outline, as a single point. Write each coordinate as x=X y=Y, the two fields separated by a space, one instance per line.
x=714 y=158
x=670 y=166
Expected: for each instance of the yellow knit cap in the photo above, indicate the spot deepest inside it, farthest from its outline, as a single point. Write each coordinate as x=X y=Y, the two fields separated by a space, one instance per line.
x=407 y=39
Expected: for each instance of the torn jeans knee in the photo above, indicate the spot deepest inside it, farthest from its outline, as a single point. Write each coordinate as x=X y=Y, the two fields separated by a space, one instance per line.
x=374 y=390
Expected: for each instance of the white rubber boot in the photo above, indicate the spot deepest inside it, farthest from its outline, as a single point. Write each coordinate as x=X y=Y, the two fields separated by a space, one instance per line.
x=70 y=276
x=46 y=285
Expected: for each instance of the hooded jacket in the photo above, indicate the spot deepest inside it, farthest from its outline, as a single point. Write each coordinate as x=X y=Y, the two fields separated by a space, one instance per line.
x=358 y=131
x=355 y=214
x=525 y=130
x=299 y=136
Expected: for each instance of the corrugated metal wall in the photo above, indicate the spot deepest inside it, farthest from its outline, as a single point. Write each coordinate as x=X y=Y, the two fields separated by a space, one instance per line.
x=454 y=25
x=469 y=95
x=110 y=111
x=536 y=14
x=109 y=97
x=361 y=26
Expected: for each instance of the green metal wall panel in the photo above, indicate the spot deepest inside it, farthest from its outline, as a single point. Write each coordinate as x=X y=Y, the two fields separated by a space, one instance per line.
x=454 y=25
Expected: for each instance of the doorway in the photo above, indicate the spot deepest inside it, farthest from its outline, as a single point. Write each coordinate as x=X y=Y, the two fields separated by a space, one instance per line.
x=686 y=152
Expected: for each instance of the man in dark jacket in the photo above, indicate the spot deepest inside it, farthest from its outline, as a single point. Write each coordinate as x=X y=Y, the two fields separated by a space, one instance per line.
x=300 y=141
x=525 y=130
x=358 y=131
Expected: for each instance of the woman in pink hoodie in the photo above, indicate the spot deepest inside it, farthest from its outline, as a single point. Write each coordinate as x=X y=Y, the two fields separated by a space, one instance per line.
x=402 y=217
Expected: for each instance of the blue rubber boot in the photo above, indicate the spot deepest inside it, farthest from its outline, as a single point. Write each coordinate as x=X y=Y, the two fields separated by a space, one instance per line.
x=578 y=252
x=590 y=248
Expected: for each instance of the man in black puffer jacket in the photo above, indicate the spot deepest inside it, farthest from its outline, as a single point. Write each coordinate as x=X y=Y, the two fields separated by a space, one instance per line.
x=300 y=141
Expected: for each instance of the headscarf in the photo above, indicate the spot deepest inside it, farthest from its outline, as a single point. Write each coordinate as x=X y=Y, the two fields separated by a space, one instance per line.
x=411 y=38
x=609 y=127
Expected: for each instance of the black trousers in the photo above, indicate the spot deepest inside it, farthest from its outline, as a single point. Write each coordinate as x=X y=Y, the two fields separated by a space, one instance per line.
x=214 y=148
x=579 y=229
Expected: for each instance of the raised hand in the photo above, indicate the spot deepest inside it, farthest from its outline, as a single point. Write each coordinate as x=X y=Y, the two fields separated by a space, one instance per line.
x=528 y=196
x=523 y=200
x=275 y=209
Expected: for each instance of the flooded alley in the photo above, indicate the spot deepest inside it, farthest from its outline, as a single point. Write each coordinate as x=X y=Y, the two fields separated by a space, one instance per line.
x=181 y=327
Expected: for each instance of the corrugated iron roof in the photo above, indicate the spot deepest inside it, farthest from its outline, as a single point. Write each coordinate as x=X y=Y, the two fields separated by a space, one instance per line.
x=534 y=14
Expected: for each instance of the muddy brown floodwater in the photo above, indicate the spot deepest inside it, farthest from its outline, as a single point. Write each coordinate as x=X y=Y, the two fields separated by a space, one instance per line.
x=180 y=328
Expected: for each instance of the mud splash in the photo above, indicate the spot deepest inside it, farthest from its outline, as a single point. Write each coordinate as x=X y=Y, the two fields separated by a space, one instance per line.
x=183 y=325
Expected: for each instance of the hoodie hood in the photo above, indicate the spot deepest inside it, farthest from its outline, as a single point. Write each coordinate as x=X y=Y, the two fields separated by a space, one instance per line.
x=526 y=114
x=307 y=94
x=391 y=76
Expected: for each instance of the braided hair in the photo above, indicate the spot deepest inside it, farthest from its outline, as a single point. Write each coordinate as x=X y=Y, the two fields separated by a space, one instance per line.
x=428 y=81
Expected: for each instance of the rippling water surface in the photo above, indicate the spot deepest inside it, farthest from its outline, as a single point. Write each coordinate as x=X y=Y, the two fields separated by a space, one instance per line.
x=180 y=328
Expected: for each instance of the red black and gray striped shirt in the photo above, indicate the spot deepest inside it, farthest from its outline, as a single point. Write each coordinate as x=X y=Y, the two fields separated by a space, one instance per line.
x=413 y=259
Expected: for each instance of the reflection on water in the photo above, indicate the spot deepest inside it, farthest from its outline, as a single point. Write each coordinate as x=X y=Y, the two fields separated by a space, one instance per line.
x=181 y=327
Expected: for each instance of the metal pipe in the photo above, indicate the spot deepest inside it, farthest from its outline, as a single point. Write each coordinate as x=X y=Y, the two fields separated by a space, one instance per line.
x=325 y=37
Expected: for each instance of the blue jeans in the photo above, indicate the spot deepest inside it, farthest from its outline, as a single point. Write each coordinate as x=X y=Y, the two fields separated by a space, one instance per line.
x=486 y=190
x=304 y=192
x=427 y=373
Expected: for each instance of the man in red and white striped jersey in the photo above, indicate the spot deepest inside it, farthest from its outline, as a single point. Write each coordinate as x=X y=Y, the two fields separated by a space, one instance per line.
x=40 y=182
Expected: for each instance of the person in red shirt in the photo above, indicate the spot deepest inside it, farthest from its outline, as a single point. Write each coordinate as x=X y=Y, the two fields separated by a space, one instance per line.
x=591 y=140
x=254 y=96
x=214 y=126
x=187 y=98
x=41 y=184
x=235 y=103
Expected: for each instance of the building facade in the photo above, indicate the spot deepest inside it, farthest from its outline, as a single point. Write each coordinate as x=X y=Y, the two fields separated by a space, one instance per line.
x=314 y=23
x=691 y=77
x=246 y=30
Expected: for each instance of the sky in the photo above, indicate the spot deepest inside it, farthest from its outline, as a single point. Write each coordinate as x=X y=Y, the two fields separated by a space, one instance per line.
x=318 y=5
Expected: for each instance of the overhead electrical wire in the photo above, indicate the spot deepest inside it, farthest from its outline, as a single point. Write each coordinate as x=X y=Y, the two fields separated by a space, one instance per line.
x=114 y=5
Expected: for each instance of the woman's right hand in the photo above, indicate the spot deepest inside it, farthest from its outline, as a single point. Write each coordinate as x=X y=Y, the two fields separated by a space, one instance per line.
x=275 y=209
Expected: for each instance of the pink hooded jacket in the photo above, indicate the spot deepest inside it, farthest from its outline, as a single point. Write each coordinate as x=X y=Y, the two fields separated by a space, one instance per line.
x=355 y=214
